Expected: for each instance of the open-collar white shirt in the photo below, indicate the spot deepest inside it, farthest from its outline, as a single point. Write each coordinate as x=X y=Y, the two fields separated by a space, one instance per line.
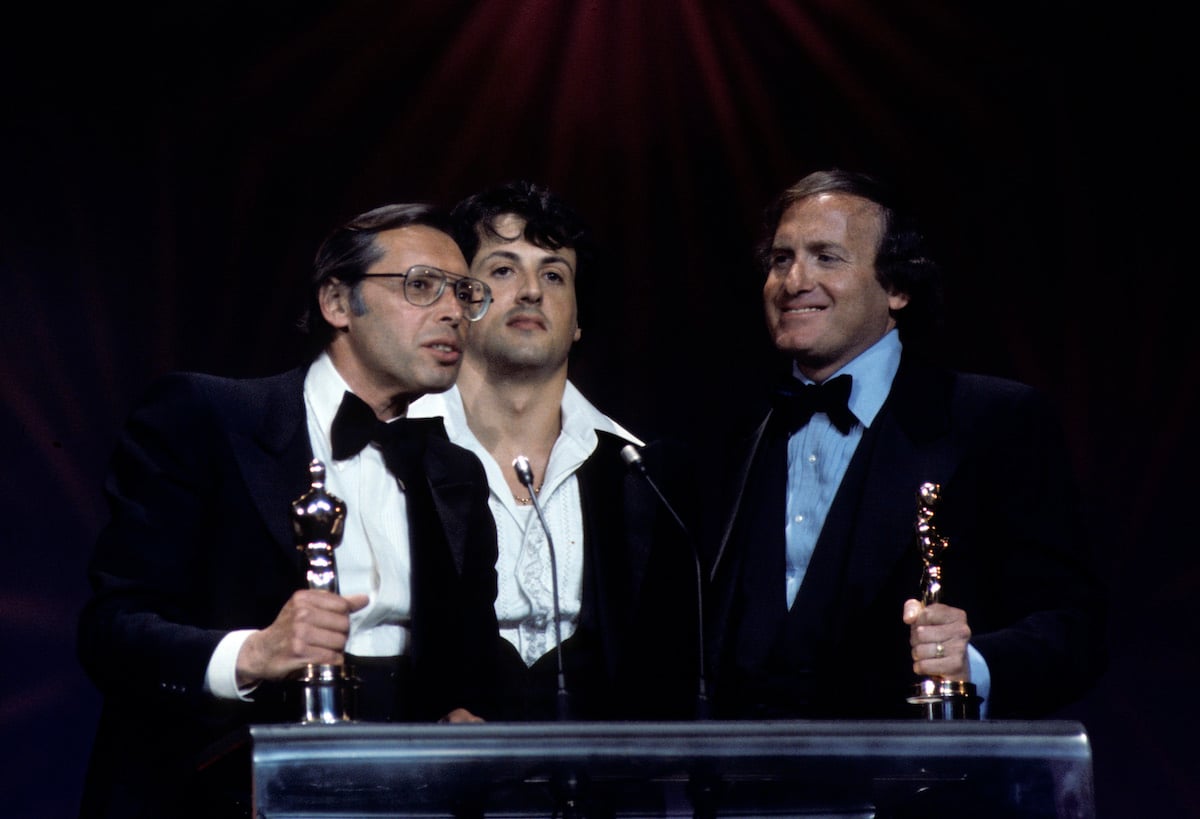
x=524 y=604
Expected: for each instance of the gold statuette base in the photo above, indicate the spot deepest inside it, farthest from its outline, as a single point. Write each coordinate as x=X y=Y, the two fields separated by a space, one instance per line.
x=946 y=699
x=328 y=692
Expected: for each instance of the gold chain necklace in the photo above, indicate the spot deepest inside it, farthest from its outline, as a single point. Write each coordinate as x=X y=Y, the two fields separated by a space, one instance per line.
x=526 y=501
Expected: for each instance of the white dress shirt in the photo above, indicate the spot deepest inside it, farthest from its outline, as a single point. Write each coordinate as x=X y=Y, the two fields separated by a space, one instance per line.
x=525 y=604
x=373 y=557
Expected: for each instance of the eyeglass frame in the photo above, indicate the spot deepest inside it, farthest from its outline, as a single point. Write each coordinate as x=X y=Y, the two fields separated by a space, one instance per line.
x=444 y=277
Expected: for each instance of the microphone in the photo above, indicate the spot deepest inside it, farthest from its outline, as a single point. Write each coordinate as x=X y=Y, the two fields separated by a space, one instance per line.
x=566 y=783
x=633 y=460
x=525 y=476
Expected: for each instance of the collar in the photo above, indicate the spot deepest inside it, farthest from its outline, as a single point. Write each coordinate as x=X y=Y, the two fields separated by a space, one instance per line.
x=581 y=421
x=580 y=418
x=873 y=371
x=323 y=390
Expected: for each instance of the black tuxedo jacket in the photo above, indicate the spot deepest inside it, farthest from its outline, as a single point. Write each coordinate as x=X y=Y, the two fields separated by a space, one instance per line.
x=200 y=543
x=1018 y=561
x=635 y=651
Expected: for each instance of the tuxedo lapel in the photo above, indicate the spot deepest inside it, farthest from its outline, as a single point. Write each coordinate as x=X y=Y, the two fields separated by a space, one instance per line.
x=741 y=479
x=615 y=560
x=630 y=515
x=870 y=522
x=759 y=602
x=906 y=446
x=450 y=489
x=271 y=445
x=273 y=451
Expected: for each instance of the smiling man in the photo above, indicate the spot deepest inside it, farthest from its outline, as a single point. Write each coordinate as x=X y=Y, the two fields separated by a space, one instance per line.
x=202 y=615
x=625 y=579
x=818 y=569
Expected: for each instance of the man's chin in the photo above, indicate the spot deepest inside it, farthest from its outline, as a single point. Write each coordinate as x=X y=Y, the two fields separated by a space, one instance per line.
x=793 y=347
x=442 y=384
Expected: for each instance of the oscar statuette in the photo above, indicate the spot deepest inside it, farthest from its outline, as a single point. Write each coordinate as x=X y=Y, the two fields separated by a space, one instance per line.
x=937 y=697
x=317 y=521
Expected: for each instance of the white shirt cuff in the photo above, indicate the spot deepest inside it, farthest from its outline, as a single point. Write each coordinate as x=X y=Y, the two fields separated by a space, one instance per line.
x=220 y=679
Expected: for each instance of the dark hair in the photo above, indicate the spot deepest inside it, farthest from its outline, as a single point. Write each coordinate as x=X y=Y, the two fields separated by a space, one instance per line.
x=903 y=262
x=349 y=251
x=550 y=223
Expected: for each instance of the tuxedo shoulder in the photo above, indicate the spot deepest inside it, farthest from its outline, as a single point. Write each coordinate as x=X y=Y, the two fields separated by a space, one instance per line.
x=994 y=390
x=667 y=452
x=455 y=457
x=224 y=388
x=657 y=454
x=991 y=384
x=1007 y=408
x=190 y=396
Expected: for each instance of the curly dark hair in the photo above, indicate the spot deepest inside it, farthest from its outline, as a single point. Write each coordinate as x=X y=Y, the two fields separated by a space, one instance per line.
x=550 y=223
x=903 y=261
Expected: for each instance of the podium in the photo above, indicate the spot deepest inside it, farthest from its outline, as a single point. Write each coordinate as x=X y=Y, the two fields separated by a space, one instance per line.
x=882 y=770
x=885 y=770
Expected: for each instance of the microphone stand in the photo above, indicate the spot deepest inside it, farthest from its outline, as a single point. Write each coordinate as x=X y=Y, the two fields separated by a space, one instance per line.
x=701 y=785
x=633 y=459
x=568 y=784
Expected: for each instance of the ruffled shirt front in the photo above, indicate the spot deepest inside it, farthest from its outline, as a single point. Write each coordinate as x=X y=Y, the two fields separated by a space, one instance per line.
x=525 y=600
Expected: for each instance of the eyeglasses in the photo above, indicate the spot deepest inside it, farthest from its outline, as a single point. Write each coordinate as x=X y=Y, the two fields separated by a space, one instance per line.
x=424 y=285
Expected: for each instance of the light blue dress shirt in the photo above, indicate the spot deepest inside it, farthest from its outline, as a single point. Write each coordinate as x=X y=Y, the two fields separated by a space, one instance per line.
x=818 y=454
x=817 y=458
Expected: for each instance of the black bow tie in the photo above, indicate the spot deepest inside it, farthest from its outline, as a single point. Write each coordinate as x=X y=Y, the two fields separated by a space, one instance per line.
x=402 y=440
x=796 y=402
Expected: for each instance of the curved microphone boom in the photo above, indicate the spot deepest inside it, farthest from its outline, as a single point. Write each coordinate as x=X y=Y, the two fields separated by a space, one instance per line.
x=525 y=476
x=633 y=460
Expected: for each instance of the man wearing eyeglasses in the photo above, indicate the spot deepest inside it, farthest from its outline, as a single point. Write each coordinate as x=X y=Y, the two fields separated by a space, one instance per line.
x=202 y=616
x=614 y=576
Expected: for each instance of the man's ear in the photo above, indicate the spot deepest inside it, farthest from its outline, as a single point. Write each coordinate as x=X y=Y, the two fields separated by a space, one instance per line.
x=897 y=300
x=334 y=298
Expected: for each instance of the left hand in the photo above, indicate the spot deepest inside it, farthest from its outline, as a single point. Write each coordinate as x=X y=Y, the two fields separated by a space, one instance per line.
x=460 y=715
x=938 y=635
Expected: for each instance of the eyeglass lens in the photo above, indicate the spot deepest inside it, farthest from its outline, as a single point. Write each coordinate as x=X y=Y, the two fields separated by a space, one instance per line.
x=424 y=285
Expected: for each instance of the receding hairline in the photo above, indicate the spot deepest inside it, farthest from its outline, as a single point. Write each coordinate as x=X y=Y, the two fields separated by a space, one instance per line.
x=863 y=204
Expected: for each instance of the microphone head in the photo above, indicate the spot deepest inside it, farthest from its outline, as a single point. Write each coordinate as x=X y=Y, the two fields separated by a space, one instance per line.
x=524 y=471
x=632 y=458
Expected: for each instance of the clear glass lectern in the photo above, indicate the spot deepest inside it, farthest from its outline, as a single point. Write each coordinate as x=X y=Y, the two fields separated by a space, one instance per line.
x=884 y=769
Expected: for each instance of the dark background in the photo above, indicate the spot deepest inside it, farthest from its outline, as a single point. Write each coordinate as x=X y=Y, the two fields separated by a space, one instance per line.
x=167 y=175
